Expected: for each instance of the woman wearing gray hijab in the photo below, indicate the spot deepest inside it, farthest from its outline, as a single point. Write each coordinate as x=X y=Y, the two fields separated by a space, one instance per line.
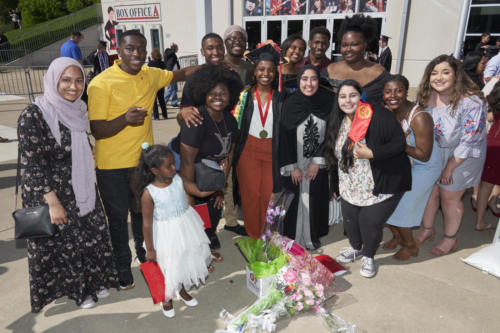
x=77 y=261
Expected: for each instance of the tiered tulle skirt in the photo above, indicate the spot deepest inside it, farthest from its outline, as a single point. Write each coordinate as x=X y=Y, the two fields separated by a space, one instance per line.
x=182 y=251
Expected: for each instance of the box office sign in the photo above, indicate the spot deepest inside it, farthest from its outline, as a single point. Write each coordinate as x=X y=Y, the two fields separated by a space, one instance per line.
x=136 y=13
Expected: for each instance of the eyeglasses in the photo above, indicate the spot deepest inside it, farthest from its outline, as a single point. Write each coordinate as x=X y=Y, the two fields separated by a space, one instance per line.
x=234 y=39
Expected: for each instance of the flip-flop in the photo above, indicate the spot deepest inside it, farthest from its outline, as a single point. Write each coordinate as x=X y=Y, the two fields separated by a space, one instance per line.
x=211 y=268
x=216 y=256
x=486 y=227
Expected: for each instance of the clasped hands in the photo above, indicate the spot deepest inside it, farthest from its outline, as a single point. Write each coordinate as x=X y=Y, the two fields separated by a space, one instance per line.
x=311 y=173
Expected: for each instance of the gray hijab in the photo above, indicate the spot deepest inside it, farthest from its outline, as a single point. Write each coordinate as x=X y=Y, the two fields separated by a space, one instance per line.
x=74 y=116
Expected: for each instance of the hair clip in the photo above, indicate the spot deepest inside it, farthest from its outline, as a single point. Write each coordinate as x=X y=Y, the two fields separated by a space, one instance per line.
x=145 y=145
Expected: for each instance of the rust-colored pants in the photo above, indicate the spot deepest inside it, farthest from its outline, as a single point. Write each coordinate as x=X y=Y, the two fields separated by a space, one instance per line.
x=255 y=179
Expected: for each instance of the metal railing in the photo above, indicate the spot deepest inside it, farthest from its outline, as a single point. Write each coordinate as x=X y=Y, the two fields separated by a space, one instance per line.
x=49 y=33
x=28 y=81
x=24 y=81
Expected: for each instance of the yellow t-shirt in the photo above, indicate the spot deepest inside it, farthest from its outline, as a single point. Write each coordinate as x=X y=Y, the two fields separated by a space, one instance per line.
x=111 y=94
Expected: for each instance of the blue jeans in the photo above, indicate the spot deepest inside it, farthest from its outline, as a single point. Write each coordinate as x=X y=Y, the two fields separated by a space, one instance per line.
x=172 y=92
x=118 y=200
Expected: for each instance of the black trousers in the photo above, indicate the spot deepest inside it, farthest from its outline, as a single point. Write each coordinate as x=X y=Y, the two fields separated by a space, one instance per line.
x=160 y=99
x=364 y=224
x=215 y=215
x=118 y=199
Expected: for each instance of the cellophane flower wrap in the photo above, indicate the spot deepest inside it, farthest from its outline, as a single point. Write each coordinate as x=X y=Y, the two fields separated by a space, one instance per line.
x=263 y=258
x=302 y=283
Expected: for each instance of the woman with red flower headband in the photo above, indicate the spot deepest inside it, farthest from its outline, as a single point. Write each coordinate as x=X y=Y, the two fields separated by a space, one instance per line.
x=370 y=170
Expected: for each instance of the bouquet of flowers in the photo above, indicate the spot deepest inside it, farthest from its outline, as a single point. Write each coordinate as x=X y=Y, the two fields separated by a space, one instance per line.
x=302 y=284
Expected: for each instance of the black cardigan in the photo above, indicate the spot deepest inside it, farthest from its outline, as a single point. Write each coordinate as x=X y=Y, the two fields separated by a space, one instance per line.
x=243 y=135
x=390 y=165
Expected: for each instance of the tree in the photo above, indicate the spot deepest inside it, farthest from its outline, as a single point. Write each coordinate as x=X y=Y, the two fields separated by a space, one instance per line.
x=36 y=11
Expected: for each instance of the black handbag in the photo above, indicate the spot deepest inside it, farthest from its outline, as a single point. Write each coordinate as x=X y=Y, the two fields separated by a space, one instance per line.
x=209 y=176
x=31 y=222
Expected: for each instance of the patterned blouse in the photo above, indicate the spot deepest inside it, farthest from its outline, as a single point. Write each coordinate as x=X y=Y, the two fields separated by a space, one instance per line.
x=356 y=186
x=465 y=130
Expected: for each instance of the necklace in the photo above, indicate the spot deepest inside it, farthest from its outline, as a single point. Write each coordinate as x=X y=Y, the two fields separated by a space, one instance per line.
x=263 y=116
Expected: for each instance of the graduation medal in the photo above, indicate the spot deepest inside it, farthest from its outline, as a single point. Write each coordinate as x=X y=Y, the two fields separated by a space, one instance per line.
x=263 y=116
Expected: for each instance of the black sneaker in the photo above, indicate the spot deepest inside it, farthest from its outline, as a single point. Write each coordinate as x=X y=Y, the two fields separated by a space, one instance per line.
x=126 y=286
x=237 y=229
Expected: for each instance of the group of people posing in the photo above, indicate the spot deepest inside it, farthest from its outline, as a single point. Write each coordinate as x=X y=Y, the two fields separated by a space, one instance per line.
x=322 y=130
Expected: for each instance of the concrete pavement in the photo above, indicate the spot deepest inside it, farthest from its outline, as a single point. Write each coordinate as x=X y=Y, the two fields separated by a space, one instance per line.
x=425 y=294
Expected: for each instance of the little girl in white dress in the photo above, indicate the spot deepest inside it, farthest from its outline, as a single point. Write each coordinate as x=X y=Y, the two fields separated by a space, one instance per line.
x=174 y=236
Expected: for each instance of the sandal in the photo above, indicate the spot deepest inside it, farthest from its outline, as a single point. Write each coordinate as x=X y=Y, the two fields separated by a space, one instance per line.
x=211 y=268
x=489 y=226
x=216 y=256
x=440 y=252
x=431 y=236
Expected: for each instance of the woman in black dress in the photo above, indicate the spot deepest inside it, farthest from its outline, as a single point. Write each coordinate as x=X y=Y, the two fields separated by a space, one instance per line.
x=293 y=49
x=355 y=34
x=77 y=262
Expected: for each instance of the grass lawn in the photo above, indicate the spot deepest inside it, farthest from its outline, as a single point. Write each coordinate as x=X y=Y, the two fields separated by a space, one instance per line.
x=74 y=21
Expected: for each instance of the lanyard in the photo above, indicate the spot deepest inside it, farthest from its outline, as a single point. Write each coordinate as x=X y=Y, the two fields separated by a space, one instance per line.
x=263 y=116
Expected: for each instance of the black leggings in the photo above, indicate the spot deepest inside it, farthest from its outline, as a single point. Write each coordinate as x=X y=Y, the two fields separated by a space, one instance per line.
x=364 y=224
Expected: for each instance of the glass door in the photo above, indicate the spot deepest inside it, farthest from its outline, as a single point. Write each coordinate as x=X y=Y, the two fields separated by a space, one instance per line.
x=254 y=31
x=274 y=31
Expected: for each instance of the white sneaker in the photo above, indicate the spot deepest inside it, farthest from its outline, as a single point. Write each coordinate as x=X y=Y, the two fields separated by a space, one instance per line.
x=368 y=268
x=103 y=293
x=347 y=255
x=88 y=303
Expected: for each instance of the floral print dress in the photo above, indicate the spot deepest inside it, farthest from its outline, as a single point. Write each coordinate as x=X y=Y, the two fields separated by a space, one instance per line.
x=77 y=262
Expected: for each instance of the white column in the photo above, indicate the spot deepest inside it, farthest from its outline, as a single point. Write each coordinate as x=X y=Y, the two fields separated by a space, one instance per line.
x=203 y=22
x=462 y=26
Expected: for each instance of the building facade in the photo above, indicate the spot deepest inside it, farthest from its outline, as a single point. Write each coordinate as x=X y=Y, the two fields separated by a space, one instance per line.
x=419 y=29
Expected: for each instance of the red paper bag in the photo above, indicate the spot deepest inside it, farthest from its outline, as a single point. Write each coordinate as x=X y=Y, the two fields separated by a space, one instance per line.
x=202 y=210
x=155 y=280
x=332 y=265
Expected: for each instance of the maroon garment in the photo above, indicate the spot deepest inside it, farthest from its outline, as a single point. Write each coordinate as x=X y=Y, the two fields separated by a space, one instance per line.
x=491 y=171
x=323 y=64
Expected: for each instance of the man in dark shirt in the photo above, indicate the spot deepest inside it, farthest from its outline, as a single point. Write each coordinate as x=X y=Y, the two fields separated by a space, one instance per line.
x=99 y=58
x=319 y=41
x=171 y=63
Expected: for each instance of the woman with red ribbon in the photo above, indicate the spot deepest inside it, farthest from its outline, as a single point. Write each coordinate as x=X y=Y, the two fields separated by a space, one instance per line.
x=366 y=154
x=258 y=114
x=302 y=161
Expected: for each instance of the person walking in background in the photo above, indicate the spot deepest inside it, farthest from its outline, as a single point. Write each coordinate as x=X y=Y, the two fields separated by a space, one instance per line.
x=77 y=261
x=71 y=49
x=120 y=110
x=384 y=58
x=4 y=47
x=425 y=155
x=173 y=230
x=99 y=58
x=459 y=112
x=172 y=63
x=319 y=41
x=156 y=62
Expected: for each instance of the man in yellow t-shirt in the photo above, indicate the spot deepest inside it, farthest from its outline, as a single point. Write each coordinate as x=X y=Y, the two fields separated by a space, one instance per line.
x=120 y=107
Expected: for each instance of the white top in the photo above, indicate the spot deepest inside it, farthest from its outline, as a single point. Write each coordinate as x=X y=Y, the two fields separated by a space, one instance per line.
x=256 y=124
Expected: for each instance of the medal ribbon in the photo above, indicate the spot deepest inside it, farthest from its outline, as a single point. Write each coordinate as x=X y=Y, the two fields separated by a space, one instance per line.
x=263 y=116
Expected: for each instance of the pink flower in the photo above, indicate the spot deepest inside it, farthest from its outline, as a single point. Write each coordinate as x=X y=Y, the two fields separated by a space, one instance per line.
x=299 y=306
x=290 y=276
x=298 y=296
x=310 y=301
x=306 y=279
x=319 y=290
x=308 y=293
